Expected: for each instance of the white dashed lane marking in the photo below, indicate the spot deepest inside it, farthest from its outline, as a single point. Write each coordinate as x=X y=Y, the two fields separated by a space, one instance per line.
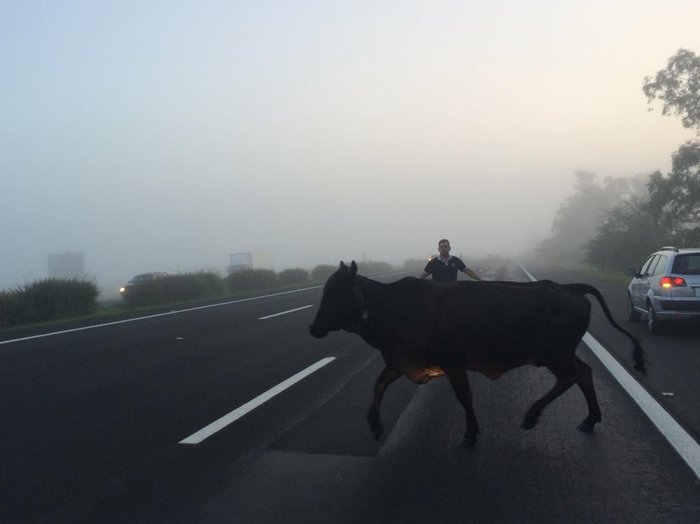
x=249 y=406
x=286 y=312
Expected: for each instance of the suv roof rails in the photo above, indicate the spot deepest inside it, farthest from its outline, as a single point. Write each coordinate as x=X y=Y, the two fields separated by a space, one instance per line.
x=669 y=248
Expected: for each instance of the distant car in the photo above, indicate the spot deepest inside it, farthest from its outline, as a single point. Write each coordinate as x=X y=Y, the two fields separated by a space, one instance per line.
x=139 y=280
x=666 y=288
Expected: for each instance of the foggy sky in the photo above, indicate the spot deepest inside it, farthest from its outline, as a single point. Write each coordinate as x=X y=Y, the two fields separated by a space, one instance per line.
x=162 y=136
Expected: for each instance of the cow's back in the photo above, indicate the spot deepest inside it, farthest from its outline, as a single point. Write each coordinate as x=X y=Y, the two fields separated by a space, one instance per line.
x=508 y=324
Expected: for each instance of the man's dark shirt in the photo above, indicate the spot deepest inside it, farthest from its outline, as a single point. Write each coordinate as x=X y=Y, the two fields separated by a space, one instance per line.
x=442 y=272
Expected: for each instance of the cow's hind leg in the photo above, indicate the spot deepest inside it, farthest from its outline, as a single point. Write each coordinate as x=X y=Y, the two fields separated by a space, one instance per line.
x=584 y=379
x=460 y=384
x=386 y=377
x=566 y=375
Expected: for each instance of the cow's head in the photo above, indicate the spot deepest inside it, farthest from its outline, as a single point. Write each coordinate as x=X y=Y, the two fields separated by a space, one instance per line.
x=340 y=305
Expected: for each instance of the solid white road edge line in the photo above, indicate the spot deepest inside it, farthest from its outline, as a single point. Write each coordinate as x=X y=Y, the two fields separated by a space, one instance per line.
x=176 y=312
x=680 y=440
x=249 y=406
x=285 y=312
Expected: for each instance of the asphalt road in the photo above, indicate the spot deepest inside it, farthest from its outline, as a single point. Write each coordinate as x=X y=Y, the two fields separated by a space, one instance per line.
x=93 y=423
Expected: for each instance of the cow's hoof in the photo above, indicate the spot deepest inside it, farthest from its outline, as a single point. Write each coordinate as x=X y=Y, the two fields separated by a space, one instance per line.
x=375 y=425
x=587 y=425
x=468 y=441
x=529 y=423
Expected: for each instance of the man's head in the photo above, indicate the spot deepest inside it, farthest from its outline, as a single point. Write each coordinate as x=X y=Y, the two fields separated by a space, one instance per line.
x=444 y=247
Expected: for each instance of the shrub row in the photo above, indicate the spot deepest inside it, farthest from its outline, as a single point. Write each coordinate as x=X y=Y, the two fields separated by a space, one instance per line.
x=53 y=299
x=369 y=267
x=174 y=288
x=46 y=300
x=194 y=286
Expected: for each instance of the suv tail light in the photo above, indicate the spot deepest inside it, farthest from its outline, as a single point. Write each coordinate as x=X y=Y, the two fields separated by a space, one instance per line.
x=672 y=282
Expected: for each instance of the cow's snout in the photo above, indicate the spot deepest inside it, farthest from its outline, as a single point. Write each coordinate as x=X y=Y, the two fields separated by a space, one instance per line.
x=315 y=332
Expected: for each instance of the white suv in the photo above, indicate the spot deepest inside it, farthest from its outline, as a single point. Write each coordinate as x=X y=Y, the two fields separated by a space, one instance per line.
x=667 y=287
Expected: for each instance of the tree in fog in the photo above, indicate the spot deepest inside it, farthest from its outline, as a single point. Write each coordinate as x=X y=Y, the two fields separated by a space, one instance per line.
x=580 y=215
x=678 y=87
x=670 y=212
x=626 y=235
x=675 y=198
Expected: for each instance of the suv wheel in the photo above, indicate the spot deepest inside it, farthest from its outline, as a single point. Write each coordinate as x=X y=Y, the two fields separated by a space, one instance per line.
x=632 y=313
x=653 y=322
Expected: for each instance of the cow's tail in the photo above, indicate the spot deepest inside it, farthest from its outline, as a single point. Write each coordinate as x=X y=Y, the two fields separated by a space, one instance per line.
x=638 y=353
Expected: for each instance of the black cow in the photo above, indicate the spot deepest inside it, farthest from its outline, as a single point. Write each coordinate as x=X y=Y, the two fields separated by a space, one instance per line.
x=426 y=330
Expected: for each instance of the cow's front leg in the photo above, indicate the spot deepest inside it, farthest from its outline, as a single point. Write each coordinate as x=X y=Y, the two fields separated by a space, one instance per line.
x=460 y=384
x=386 y=377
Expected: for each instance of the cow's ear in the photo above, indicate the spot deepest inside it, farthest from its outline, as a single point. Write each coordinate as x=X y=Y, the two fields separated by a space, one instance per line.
x=353 y=268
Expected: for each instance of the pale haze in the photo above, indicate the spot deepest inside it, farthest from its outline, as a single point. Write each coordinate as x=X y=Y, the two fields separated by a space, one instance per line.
x=163 y=136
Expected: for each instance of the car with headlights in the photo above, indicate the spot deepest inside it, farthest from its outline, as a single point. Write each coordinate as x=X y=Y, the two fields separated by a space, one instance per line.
x=140 y=280
x=666 y=288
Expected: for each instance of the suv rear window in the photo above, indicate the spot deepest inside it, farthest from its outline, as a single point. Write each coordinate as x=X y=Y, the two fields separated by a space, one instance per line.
x=687 y=264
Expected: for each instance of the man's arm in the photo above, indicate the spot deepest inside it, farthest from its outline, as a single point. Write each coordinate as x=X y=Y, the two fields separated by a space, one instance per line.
x=468 y=271
x=425 y=272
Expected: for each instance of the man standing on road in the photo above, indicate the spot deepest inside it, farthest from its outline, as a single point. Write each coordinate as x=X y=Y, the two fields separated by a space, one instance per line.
x=444 y=268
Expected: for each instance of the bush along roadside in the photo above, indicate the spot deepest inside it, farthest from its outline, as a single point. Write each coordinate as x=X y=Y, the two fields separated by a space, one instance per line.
x=251 y=280
x=47 y=300
x=197 y=286
x=174 y=288
x=55 y=299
